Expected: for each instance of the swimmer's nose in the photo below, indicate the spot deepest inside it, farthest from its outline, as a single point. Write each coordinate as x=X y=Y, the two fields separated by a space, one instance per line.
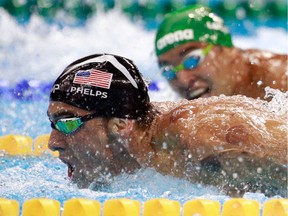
x=56 y=141
x=185 y=77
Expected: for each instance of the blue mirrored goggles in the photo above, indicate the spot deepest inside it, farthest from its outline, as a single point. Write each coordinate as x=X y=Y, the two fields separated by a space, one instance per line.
x=190 y=61
x=69 y=126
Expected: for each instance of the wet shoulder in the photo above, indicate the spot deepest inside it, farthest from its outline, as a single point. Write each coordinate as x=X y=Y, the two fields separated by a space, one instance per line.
x=254 y=55
x=186 y=110
x=174 y=113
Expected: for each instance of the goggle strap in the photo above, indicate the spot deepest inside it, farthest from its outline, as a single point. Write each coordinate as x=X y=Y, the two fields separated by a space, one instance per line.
x=207 y=49
x=52 y=125
x=179 y=67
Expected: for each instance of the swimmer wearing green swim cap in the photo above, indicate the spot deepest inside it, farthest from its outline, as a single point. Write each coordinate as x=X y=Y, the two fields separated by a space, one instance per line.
x=196 y=55
x=103 y=124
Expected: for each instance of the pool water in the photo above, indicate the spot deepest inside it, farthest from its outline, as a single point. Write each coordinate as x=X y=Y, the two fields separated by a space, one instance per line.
x=33 y=55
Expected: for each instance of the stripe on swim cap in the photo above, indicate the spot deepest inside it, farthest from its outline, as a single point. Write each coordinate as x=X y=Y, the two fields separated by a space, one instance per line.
x=105 y=58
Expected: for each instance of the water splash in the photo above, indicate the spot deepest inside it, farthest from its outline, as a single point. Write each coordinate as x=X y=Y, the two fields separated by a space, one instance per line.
x=279 y=101
x=41 y=51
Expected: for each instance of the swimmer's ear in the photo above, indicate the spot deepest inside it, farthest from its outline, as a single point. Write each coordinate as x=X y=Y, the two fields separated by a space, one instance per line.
x=120 y=126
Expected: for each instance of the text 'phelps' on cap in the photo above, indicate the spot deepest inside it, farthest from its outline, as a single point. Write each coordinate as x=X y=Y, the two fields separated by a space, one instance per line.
x=191 y=23
x=107 y=84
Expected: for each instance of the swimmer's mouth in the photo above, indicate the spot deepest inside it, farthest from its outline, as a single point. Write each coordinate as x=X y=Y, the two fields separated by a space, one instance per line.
x=70 y=170
x=197 y=93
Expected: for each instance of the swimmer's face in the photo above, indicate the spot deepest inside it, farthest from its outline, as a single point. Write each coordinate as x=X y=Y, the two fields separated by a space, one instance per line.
x=203 y=80
x=90 y=152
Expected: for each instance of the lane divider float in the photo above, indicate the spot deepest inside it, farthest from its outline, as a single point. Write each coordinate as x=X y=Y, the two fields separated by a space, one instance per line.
x=153 y=207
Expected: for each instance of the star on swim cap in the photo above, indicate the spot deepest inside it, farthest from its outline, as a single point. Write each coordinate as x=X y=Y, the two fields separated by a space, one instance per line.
x=191 y=23
x=104 y=83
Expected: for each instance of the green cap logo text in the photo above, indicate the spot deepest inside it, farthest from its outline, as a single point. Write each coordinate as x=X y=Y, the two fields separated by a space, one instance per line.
x=171 y=38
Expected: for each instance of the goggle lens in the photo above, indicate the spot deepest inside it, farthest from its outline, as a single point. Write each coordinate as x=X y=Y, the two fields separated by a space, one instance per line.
x=68 y=126
x=168 y=73
x=191 y=61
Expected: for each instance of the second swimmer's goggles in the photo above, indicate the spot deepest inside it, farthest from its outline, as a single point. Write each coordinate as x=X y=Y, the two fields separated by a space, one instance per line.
x=70 y=125
x=190 y=61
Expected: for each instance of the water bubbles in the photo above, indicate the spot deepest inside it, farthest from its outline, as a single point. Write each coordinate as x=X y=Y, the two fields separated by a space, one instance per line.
x=279 y=101
x=235 y=175
x=240 y=13
x=167 y=194
x=240 y=159
x=260 y=82
x=175 y=164
x=227 y=163
x=259 y=170
x=164 y=145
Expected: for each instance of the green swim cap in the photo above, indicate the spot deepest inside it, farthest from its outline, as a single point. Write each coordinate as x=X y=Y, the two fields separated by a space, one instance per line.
x=191 y=23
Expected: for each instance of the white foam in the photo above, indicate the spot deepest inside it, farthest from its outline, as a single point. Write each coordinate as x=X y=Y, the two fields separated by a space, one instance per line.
x=40 y=50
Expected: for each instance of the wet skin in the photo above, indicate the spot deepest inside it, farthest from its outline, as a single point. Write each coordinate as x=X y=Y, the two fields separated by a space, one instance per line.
x=89 y=158
x=204 y=140
x=228 y=71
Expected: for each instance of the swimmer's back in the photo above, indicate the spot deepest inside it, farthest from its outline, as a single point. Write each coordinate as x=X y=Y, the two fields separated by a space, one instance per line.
x=213 y=125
